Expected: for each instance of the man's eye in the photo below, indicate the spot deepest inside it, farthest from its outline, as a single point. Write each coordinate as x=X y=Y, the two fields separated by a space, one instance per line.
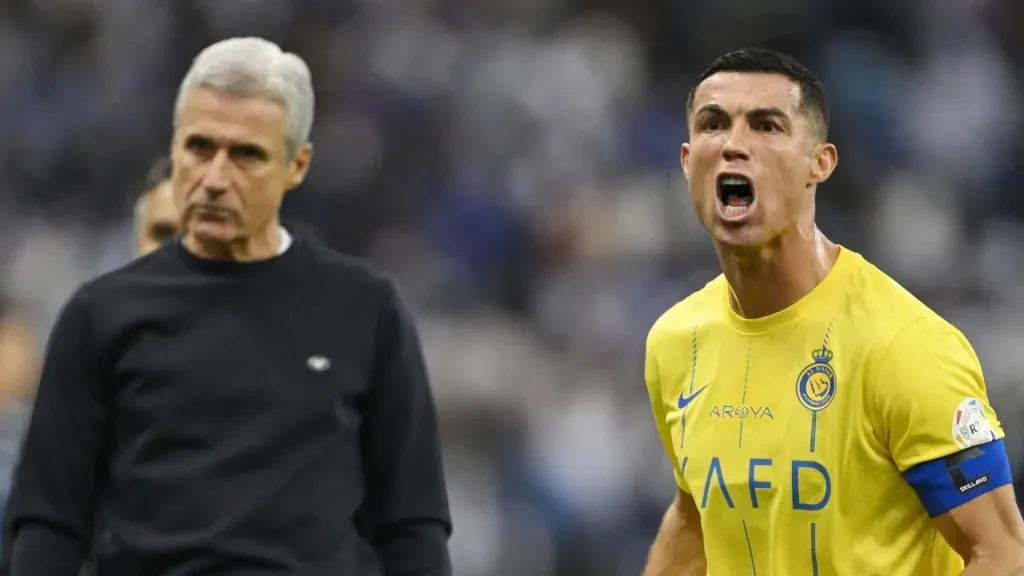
x=199 y=145
x=248 y=153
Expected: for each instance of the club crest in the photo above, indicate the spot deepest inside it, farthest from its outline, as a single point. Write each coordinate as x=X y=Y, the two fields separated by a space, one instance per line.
x=816 y=385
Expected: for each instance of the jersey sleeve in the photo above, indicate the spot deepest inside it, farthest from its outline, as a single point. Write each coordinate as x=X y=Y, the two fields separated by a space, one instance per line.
x=935 y=416
x=652 y=374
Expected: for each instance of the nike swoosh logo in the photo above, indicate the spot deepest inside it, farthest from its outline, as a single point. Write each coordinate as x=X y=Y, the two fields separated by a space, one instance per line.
x=685 y=400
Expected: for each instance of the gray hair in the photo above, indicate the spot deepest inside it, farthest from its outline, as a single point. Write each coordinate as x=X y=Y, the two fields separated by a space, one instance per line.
x=258 y=68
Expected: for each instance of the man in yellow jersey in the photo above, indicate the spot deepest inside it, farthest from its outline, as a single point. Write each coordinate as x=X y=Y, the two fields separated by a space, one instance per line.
x=820 y=419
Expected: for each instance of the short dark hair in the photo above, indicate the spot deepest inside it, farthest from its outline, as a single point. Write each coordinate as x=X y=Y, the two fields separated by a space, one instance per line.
x=813 y=99
x=159 y=172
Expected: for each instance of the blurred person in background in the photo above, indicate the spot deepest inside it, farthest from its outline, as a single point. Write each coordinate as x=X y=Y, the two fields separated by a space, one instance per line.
x=241 y=401
x=19 y=367
x=155 y=217
x=818 y=417
x=19 y=358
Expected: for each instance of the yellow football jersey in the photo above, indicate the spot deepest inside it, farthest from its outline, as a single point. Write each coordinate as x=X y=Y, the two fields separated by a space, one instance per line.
x=820 y=439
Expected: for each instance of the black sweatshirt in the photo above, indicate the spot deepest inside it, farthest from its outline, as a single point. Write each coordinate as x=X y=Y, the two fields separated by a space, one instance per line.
x=225 y=418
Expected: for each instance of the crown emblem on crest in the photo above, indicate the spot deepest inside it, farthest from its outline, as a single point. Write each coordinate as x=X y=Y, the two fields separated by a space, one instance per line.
x=822 y=355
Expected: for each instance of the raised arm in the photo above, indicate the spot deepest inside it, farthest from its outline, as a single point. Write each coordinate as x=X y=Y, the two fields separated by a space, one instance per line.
x=53 y=498
x=406 y=514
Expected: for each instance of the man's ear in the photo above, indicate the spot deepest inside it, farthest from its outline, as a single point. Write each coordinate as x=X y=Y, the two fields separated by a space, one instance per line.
x=300 y=165
x=826 y=158
x=684 y=159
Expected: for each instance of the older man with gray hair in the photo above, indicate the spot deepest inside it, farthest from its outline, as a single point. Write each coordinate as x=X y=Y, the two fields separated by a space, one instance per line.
x=240 y=401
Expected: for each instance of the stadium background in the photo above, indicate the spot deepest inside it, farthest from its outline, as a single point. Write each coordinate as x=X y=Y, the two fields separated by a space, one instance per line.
x=514 y=164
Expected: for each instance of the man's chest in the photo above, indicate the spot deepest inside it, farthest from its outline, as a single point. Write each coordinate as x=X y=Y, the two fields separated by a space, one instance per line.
x=244 y=360
x=759 y=420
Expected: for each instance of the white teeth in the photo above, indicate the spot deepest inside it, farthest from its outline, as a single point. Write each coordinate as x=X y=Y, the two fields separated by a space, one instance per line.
x=735 y=181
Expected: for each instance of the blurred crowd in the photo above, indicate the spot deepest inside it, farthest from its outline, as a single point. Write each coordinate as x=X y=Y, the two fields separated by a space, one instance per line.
x=514 y=164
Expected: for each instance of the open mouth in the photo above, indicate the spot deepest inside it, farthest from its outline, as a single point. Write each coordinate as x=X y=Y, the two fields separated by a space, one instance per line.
x=736 y=194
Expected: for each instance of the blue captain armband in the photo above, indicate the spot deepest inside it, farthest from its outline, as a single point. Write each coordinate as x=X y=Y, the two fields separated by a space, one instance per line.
x=946 y=483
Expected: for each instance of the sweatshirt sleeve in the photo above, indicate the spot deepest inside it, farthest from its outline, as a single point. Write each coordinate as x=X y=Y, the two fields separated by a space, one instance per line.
x=52 y=502
x=405 y=515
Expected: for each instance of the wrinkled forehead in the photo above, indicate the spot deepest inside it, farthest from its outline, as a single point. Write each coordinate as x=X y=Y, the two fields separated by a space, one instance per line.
x=229 y=118
x=739 y=92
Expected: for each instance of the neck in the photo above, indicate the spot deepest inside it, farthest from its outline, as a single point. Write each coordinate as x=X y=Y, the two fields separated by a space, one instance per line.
x=260 y=246
x=772 y=278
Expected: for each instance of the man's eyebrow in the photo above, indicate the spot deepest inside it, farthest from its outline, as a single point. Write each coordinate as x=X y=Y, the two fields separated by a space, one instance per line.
x=770 y=111
x=767 y=111
x=711 y=108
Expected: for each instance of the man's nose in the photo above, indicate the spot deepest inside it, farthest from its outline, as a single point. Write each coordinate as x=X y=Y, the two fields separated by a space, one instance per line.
x=215 y=179
x=736 y=147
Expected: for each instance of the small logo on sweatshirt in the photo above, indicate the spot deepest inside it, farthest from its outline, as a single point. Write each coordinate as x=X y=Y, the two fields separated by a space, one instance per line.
x=318 y=363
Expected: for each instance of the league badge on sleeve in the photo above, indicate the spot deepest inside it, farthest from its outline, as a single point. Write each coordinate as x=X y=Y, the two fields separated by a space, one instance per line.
x=970 y=424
